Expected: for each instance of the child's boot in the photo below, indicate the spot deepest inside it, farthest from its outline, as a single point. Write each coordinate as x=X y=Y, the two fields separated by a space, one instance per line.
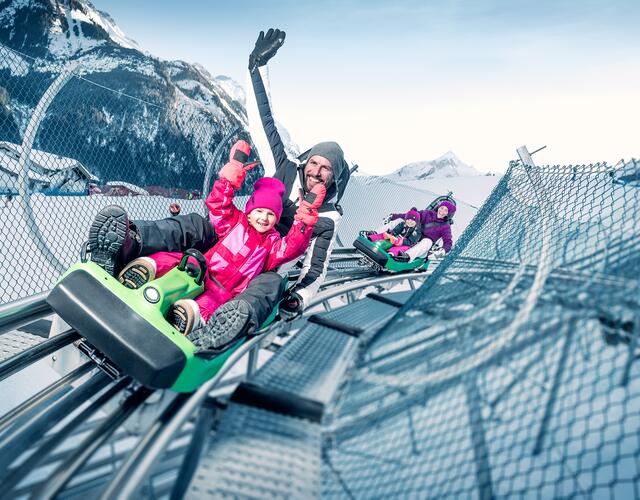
x=111 y=239
x=232 y=320
x=138 y=272
x=184 y=316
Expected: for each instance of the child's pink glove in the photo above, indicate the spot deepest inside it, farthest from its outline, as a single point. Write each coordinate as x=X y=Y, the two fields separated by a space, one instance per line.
x=236 y=169
x=397 y=241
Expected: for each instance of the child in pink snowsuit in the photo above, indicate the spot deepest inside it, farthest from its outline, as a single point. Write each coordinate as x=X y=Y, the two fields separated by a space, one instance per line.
x=404 y=235
x=247 y=245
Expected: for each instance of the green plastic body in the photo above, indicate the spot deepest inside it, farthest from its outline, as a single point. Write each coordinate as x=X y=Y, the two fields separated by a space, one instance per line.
x=392 y=264
x=173 y=286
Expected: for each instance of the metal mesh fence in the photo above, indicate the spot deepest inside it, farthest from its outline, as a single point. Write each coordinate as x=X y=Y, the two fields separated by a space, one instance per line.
x=512 y=371
x=73 y=140
x=70 y=145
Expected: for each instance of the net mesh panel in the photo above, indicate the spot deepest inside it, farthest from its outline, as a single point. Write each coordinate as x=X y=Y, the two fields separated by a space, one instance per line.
x=95 y=146
x=511 y=371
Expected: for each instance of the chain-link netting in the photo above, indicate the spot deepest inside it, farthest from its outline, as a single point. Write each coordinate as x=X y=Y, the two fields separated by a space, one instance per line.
x=512 y=371
x=74 y=139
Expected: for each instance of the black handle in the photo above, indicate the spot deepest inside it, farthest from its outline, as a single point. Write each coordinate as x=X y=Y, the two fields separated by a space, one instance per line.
x=202 y=263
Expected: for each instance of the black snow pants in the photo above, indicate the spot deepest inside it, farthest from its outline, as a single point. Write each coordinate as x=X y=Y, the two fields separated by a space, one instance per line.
x=179 y=233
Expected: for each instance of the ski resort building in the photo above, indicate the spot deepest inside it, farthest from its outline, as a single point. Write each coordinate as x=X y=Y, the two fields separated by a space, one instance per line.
x=48 y=173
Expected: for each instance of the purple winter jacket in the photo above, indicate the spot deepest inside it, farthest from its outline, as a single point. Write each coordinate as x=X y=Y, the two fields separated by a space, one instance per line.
x=433 y=228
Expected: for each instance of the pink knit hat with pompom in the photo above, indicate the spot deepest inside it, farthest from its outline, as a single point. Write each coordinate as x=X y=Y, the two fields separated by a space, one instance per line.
x=267 y=193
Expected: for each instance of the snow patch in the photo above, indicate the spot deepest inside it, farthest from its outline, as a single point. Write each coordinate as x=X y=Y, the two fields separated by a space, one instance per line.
x=16 y=64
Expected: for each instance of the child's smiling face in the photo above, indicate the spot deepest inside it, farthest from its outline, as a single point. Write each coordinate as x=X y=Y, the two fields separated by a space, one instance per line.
x=262 y=219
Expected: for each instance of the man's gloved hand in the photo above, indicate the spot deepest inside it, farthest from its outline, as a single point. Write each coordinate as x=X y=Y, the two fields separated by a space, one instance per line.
x=308 y=210
x=291 y=306
x=266 y=47
x=236 y=169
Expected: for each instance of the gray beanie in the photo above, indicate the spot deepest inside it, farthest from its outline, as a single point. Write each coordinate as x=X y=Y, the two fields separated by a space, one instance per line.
x=332 y=152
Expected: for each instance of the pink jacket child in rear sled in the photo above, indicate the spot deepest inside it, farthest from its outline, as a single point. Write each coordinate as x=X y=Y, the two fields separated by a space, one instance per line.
x=247 y=242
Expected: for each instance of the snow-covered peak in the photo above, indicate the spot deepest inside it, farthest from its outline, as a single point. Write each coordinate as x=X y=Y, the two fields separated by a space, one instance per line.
x=62 y=29
x=107 y=23
x=447 y=165
x=78 y=27
x=231 y=87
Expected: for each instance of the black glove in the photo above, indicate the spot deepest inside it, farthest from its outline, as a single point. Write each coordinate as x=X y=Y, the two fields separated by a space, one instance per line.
x=291 y=306
x=266 y=47
x=387 y=219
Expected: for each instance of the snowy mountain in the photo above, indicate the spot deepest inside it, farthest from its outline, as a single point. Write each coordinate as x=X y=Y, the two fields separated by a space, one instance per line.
x=447 y=165
x=131 y=116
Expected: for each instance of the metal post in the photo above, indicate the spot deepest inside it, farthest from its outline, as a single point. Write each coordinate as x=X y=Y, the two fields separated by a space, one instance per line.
x=252 y=361
x=24 y=163
x=206 y=185
x=192 y=455
x=478 y=439
x=553 y=393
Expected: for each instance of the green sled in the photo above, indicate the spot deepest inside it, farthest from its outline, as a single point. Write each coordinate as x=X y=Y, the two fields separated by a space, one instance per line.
x=129 y=326
x=376 y=252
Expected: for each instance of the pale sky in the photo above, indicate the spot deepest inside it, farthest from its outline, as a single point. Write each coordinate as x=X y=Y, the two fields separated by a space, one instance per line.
x=401 y=81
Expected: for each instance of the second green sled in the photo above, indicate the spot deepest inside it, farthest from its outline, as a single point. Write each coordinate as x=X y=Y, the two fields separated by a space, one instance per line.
x=376 y=255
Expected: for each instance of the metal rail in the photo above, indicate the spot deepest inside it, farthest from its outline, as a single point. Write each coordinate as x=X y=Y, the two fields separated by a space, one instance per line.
x=90 y=445
x=44 y=397
x=54 y=439
x=15 y=314
x=33 y=354
x=20 y=440
x=140 y=461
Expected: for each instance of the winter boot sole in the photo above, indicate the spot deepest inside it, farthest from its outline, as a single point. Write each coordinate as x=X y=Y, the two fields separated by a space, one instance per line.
x=107 y=235
x=180 y=318
x=137 y=273
x=230 y=321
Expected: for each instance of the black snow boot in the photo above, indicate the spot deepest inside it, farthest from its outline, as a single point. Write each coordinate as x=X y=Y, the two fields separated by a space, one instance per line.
x=231 y=321
x=111 y=242
x=402 y=257
x=366 y=233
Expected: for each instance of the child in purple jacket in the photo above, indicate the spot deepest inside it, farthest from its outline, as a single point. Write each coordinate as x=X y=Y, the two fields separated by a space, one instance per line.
x=435 y=225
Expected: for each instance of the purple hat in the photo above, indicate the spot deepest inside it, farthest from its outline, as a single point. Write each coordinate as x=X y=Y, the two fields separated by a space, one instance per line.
x=413 y=215
x=450 y=206
x=267 y=193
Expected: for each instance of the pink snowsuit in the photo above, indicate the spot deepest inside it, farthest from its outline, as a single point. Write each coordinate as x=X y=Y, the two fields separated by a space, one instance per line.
x=394 y=250
x=240 y=254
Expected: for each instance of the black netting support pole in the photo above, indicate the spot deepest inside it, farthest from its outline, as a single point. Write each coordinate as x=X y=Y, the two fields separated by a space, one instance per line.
x=631 y=353
x=192 y=455
x=412 y=433
x=337 y=475
x=553 y=393
x=24 y=163
x=476 y=425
